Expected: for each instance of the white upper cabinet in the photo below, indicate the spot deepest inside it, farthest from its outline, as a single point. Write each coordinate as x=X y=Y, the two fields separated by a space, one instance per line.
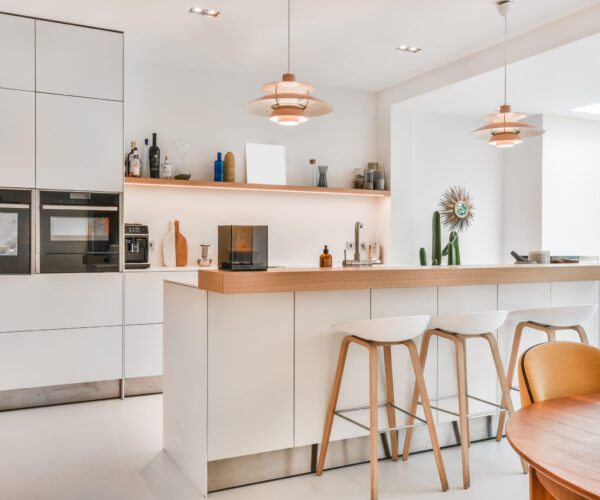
x=77 y=61
x=79 y=143
x=17 y=52
x=17 y=138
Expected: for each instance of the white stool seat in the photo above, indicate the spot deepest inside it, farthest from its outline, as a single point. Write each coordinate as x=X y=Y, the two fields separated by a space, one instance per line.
x=385 y=329
x=556 y=316
x=469 y=324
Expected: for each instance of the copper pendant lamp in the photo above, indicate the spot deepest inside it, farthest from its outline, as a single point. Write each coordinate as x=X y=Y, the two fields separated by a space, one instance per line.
x=288 y=102
x=505 y=128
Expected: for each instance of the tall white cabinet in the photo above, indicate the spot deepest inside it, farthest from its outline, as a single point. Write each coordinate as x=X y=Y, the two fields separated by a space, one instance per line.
x=61 y=128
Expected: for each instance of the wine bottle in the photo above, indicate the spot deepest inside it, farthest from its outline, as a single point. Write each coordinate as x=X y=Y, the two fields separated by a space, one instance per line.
x=154 y=158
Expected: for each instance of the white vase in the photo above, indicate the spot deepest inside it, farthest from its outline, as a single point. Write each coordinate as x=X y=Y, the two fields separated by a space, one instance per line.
x=169 y=258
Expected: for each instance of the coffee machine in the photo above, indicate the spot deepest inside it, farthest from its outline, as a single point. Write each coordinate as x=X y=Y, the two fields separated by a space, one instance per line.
x=137 y=246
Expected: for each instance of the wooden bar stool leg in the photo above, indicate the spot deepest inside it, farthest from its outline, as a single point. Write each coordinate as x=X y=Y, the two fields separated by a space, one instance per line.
x=420 y=385
x=389 y=377
x=462 y=408
x=468 y=436
x=510 y=374
x=582 y=335
x=503 y=381
x=415 y=398
x=337 y=382
x=373 y=432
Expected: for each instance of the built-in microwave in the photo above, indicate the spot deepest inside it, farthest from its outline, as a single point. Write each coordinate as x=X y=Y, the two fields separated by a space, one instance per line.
x=15 y=231
x=78 y=232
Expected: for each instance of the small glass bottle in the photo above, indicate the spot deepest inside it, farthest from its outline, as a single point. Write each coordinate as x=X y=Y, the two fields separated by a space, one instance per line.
x=311 y=178
x=166 y=169
x=219 y=165
x=325 y=260
x=146 y=160
x=135 y=164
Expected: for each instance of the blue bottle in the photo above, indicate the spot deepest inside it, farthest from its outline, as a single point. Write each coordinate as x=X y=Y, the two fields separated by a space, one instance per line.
x=218 y=168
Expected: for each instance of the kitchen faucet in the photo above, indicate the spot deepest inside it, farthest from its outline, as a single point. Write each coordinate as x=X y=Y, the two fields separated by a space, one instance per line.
x=357 y=261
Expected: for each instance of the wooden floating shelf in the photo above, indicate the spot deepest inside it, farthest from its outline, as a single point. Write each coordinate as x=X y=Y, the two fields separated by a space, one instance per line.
x=239 y=186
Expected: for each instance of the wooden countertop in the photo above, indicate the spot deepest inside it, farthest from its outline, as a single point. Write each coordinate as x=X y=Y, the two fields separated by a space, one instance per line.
x=314 y=279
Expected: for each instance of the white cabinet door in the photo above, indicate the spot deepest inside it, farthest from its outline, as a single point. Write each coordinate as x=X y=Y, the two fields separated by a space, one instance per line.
x=143 y=350
x=317 y=350
x=54 y=301
x=36 y=359
x=17 y=52
x=72 y=60
x=250 y=373
x=79 y=143
x=17 y=138
x=144 y=294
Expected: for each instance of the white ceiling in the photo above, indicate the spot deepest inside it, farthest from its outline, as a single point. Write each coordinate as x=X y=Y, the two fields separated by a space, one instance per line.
x=553 y=82
x=345 y=43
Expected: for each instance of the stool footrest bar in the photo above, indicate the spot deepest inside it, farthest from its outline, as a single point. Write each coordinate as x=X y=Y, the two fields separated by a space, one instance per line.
x=340 y=413
x=469 y=415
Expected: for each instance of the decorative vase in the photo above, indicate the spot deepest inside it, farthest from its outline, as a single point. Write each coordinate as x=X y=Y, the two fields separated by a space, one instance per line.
x=229 y=169
x=168 y=246
x=322 y=176
x=181 y=247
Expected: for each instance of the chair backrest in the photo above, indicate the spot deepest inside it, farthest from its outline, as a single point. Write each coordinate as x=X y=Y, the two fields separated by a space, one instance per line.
x=558 y=369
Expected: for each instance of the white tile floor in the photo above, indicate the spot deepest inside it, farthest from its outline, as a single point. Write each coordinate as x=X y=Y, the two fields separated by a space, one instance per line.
x=111 y=450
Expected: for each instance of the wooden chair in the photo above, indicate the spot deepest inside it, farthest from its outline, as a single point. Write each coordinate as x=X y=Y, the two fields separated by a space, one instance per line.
x=558 y=369
x=548 y=320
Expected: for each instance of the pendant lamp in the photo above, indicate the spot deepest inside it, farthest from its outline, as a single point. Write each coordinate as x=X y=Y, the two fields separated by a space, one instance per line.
x=505 y=128
x=288 y=102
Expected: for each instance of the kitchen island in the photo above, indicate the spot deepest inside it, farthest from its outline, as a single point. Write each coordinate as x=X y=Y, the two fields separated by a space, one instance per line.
x=249 y=357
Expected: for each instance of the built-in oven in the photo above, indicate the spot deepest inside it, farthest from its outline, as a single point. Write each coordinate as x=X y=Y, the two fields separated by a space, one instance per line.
x=78 y=232
x=15 y=231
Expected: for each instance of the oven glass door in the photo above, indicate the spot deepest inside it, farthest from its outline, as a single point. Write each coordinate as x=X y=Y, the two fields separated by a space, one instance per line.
x=15 y=232
x=76 y=229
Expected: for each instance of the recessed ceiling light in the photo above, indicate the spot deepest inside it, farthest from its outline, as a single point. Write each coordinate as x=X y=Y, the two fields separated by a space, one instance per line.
x=408 y=48
x=204 y=12
x=594 y=109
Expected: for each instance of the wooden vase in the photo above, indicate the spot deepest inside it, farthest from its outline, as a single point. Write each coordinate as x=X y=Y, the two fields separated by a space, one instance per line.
x=229 y=168
x=181 y=247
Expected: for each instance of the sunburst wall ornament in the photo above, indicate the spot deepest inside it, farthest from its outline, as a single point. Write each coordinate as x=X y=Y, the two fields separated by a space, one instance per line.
x=457 y=208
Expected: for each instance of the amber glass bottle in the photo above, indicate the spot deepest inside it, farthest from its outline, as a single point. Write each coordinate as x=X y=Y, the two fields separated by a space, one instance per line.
x=325 y=260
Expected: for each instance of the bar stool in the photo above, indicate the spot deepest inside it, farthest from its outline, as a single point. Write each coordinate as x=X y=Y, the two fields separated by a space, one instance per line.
x=459 y=328
x=548 y=320
x=372 y=334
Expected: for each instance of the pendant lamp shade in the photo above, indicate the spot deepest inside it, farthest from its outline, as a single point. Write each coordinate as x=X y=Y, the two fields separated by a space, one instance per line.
x=505 y=128
x=288 y=102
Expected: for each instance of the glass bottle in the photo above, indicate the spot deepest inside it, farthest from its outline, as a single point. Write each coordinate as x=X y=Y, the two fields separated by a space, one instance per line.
x=325 y=260
x=154 y=158
x=135 y=164
x=219 y=168
x=311 y=178
x=323 y=176
x=146 y=160
x=166 y=169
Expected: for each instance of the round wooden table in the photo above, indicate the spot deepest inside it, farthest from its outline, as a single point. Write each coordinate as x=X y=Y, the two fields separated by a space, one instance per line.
x=560 y=439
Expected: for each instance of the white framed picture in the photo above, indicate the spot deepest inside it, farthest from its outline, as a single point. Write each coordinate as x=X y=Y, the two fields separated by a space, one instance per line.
x=265 y=164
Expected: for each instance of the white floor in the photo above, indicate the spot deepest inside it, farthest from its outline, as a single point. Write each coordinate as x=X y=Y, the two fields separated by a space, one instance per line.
x=111 y=450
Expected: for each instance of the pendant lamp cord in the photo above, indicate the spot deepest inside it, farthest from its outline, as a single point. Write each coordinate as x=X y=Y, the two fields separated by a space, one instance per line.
x=505 y=53
x=289 y=37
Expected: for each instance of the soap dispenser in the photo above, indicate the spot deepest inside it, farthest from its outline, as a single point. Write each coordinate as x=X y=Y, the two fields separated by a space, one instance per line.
x=325 y=260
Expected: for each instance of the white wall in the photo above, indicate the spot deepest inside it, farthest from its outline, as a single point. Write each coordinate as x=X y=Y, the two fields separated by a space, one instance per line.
x=299 y=224
x=571 y=186
x=431 y=152
x=522 y=194
x=207 y=108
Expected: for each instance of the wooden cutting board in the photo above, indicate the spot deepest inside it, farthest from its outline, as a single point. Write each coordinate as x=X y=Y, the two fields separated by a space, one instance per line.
x=181 y=247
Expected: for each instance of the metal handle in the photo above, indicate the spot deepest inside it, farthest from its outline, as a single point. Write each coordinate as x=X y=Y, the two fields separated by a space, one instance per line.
x=22 y=206
x=85 y=208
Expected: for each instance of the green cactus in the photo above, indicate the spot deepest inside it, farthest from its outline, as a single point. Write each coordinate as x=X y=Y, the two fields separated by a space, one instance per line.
x=456 y=249
x=452 y=250
x=423 y=256
x=436 y=243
